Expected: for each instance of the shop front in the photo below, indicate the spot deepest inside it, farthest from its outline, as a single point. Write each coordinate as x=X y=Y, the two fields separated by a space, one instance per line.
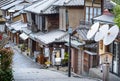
x=116 y=58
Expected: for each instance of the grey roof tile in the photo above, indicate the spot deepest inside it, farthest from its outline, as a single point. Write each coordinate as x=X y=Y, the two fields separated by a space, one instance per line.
x=69 y=3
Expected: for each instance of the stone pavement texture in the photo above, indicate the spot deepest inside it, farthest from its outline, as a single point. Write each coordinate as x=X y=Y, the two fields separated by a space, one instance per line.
x=96 y=73
x=25 y=69
x=44 y=75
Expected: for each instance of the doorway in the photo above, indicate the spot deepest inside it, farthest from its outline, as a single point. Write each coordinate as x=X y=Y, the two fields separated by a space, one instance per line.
x=116 y=58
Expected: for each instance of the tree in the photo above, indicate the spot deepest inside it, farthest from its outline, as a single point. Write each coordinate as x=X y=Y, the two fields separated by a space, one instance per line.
x=116 y=11
x=116 y=1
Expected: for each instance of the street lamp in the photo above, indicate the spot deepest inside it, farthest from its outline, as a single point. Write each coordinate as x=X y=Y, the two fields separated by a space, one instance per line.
x=69 y=52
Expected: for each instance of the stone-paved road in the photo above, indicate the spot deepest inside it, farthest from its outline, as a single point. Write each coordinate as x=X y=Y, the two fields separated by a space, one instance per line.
x=24 y=69
x=22 y=61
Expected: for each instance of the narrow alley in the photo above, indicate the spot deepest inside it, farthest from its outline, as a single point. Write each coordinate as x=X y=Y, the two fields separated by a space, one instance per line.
x=59 y=40
x=25 y=69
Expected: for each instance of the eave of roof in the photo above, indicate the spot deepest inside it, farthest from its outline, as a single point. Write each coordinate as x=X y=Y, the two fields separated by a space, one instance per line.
x=5 y=2
x=41 y=7
x=69 y=3
x=105 y=19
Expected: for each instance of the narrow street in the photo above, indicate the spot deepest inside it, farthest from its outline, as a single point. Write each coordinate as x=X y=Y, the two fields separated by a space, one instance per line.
x=24 y=69
x=22 y=61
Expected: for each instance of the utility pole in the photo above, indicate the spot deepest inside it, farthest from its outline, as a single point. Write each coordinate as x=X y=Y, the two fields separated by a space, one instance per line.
x=102 y=6
x=69 y=51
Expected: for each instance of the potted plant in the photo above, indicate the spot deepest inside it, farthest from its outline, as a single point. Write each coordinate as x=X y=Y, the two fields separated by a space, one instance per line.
x=47 y=63
x=28 y=51
x=22 y=47
x=65 y=60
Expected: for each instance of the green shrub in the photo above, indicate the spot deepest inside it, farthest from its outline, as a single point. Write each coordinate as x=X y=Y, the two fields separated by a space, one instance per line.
x=116 y=10
x=6 y=75
x=65 y=60
x=5 y=64
x=22 y=46
x=117 y=20
x=116 y=1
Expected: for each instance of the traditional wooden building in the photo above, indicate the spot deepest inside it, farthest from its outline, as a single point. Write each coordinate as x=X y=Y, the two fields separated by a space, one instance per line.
x=82 y=60
x=42 y=19
x=112 y=48
x=70 y=13
x=92 y=9
x=48 y=20
x=15 y=19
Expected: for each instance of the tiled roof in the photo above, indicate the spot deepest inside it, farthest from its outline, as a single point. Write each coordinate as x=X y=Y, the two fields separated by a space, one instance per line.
x=43 y=6
x=83 y=33
x=26 y=30
x=50 y=10
x=50 y=37
x=31 y=1
x=18 y=25
x=91 y=45
x=75 y=41
x=14 y=15
x=33 y=35
x=105 y=19
x=5 y=2
x=69 y=3
x=19 y=7
x=11 y=4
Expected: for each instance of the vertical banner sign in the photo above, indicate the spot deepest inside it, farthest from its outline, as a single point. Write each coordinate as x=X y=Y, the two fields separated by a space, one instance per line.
x=62 y=53
x=47 y=52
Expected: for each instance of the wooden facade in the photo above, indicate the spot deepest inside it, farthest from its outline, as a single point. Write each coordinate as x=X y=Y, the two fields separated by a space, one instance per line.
x=115 y=65
x=75 y=15
x=74 y=60
x=17 y=18
x=70 y=16
x=52 y=22
x=90 y=61
x=24 y=17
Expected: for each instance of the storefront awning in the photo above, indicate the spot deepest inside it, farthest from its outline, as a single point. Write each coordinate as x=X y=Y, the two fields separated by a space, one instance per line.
x=24 y=36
